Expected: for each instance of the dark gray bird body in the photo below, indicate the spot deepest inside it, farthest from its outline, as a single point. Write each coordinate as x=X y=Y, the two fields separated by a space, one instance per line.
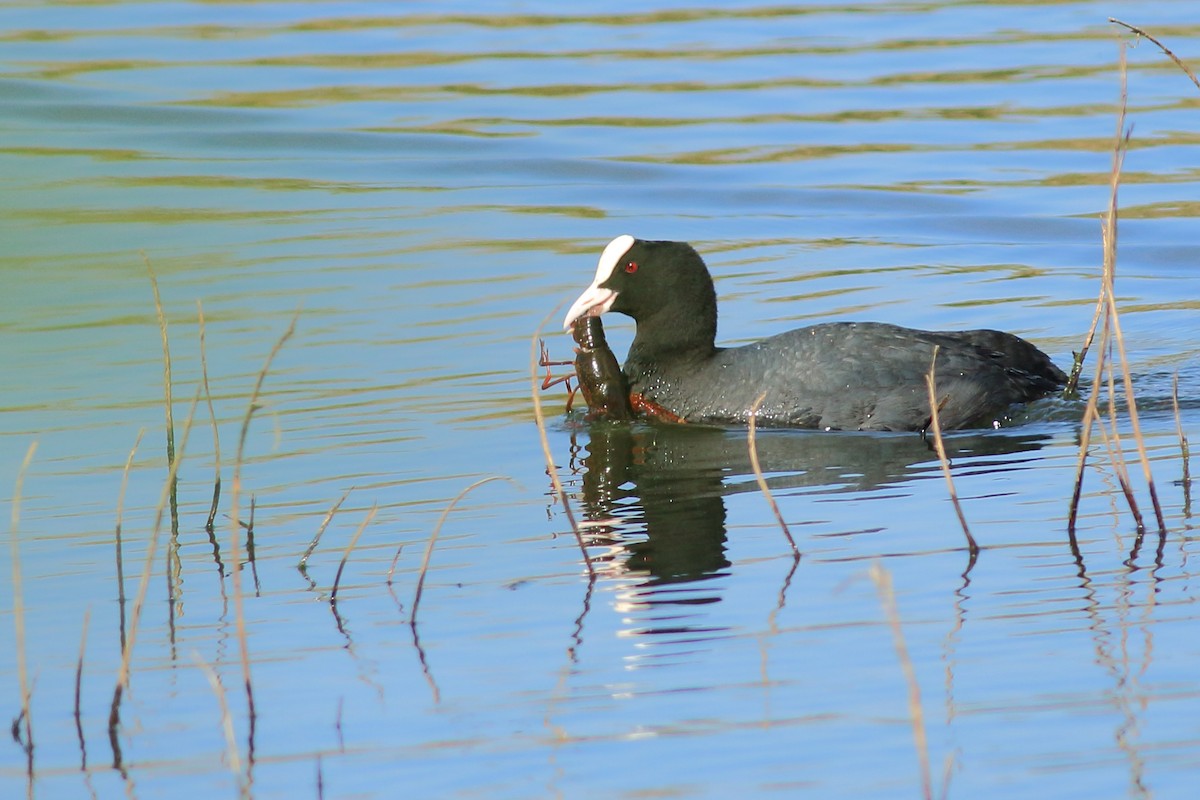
x=836 y=375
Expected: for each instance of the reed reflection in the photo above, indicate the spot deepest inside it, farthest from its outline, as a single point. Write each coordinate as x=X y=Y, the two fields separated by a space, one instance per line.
x=656 y=492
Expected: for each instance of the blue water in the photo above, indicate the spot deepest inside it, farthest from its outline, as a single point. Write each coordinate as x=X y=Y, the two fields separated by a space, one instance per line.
x=418 y=186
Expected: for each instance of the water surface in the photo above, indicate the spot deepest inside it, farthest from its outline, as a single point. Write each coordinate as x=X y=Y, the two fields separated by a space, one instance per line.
x=418 y=186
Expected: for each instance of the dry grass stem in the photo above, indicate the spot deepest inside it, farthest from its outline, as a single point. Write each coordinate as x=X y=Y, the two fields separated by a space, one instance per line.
x=1179 y=62
x=120 y=548
x=1108 y=291
x=1115 y=448
x=250 y=546
x=752 y=445
x=1116 y=458
x=212 y=416
x=144 y=583
x=1131 y=402
x=437 y=528
x=551 y=469
x=252 y=406
x=939 y=446
x=19 y=612
x=174 y=564
x=1100 y=313
x=162 y=330
x=887 y=597
x=425 y=670
x=1184 y=448
x=1108 y=294
x=87 y=618
x=168 y=405
x=1090 y=414
x=1110 y=333
x=1072 y=387
x=349 y=549
x=1108 y=233
x=312 y=546
x=235 y=535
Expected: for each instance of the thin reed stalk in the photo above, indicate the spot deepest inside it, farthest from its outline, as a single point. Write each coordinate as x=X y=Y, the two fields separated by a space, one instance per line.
x=1108 y=229
x=235 y=537
x=1110 y=332
x=143 y=585
x=303 y=565
x=83 y=634
x=1108 y=239
x=1131 y=401
x=250 y=556
x=882 y=579
x=433 y=537
x=1090 y=414
x=1184 y=448
x=1108 y=293
x=349 y=549
x=418 y=593
x=167 y=400
x=1178 y=61
x=1115 y=448
x=551 y=469
x=212 y=416
x=26 y=716
x=120 y=548
x=939 y=447
x=1092 y=418
x=174 y=570
x=752 y=446
x=1072 y=388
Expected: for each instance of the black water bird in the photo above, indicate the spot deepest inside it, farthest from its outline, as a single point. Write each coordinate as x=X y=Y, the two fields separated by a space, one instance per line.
x=832 y=376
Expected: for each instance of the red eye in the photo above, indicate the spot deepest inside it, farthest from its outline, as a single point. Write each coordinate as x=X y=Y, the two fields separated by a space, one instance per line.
x=631 y=267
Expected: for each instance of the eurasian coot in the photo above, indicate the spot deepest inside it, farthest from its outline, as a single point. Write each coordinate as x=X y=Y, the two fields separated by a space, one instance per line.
x=836 y=375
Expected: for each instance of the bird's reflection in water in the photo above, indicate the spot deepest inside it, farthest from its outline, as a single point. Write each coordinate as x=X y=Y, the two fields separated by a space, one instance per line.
x=655 y=495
